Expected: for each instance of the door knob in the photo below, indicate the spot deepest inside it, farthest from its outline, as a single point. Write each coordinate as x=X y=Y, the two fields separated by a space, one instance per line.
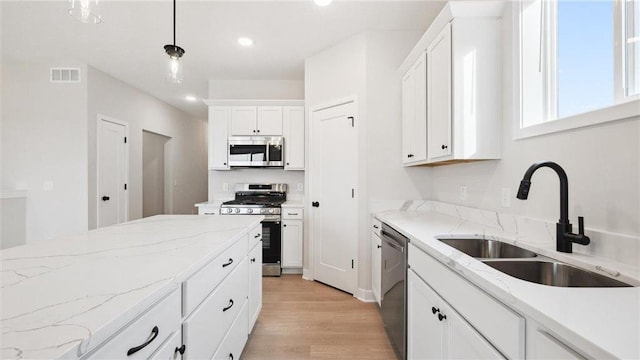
x=315 y=204
x=105 y=198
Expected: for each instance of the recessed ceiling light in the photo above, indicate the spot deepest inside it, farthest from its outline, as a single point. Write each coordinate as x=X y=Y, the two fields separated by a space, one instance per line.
x=190 y=98
x=245 y=41
x=322 y=2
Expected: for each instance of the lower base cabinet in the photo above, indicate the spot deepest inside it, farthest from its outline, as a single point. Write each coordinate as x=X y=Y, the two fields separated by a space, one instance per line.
x=171 y=349
x=255 y=285
x=436 y=331
x=236 y=338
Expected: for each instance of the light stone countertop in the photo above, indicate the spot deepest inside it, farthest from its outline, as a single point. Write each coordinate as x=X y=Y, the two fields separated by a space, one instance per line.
x=293 y=203
x=61 y=298
x=601 y=322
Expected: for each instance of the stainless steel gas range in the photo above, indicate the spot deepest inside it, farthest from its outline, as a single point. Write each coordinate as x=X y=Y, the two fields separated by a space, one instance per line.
x=262 y=199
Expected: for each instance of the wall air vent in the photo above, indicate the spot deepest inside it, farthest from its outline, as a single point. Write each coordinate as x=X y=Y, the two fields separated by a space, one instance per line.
x=65 y=75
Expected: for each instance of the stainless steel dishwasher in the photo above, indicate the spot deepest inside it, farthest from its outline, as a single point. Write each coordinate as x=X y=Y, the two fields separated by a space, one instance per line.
x=394 y=291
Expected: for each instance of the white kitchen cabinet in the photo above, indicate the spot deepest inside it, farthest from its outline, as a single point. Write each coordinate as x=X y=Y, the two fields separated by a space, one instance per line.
x=436 y=331
x=255 y=284
x=269 y=120
x=376 y=261
x=439 y=100
x=256 y=120
x=292 y=236
x=548 y=347
x=293 y=132
x=463 y=61
x=171 y=348
x=414 y=112
x=218 y=137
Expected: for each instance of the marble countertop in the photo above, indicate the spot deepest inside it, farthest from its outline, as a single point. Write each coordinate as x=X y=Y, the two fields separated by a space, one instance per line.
x=61 y=298
x=602 y=322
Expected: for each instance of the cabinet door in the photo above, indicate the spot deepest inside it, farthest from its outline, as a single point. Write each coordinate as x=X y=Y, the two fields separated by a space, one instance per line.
x=376 y=259
x=463 y=341
x=439 y=99
x=420 y=120
x=218 y=137
x=292 y=243
x=255 y=284
x=269 y=120
x=408 y=116
x=243 y=120
x=425 y=335
x=293 y=131
x=547 y=347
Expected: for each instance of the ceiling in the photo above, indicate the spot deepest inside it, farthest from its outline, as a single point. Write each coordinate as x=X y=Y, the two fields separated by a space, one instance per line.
x=128 y=44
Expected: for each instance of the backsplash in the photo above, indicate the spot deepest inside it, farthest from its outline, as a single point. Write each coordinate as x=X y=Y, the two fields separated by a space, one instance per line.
x=620 y=248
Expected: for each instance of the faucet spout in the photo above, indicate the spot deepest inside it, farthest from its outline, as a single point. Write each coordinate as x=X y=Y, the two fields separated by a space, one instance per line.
x=564 y=236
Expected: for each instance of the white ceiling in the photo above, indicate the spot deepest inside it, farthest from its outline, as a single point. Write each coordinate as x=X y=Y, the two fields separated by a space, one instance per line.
x=128 y=44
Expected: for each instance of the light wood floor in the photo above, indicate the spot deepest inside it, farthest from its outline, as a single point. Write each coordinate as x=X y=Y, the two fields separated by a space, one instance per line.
x=303 y=319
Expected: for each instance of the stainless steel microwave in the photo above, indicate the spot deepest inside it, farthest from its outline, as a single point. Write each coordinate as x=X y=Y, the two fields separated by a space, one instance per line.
x=256 y=151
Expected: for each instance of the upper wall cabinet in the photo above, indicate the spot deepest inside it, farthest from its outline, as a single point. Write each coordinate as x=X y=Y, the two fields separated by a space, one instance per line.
x=256 y=117
x=463 y=61
x=256 y=120
x=414 y=112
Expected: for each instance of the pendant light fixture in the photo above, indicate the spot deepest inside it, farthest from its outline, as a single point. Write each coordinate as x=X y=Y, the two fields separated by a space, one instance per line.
x=174 y=66
x=85 y=10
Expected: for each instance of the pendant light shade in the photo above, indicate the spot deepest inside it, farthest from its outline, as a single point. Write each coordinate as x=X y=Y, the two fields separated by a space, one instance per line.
x=174 y=66
x=87 y=11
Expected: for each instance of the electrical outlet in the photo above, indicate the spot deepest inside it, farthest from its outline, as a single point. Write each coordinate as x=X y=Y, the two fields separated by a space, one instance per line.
x=505 y=197
x=463 y=193
x=300 y=187
x=47 y=185
x=225 y=187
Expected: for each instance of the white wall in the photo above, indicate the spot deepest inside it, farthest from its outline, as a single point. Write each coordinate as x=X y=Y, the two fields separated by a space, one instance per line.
x=366 y=66
x=153 y=173
x=44 y=140
x=254 y=89
x=188 y=151
x=602 y=163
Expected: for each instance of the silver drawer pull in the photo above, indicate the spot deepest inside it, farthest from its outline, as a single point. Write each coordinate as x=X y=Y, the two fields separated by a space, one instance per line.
x=292 y=214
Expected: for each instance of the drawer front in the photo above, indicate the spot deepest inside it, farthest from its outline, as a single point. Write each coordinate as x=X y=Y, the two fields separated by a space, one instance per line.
x=255 y=235
x=234 y=342
x=376 y=226
x=293 y=213
x=497 y=323
x=196 y=288
x=207 y=325
x=208 y=210
x=170 y=349
x=163 y=316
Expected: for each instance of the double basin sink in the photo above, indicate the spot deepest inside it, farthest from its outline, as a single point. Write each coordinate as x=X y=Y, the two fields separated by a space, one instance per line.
x=528 y=265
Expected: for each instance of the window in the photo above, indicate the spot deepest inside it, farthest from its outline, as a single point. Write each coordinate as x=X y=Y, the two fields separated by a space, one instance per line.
x=579 y=63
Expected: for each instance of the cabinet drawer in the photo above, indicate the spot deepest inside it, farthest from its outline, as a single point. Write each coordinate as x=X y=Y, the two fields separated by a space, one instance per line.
x=208 y=210
x=204 y=329
x=376 y=226
x=255 y=235
x=236 y=338
x=169 y=350
x=497 y=323
x=162 y=319
x=293 y=213
x=196 y=288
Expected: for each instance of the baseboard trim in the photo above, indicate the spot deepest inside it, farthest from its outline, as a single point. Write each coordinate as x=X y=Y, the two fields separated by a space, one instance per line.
x=364 y=295
x=292 y=271
x=306 y=274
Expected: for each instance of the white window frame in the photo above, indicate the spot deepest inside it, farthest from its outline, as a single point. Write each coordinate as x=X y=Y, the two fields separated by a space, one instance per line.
x=626 y=106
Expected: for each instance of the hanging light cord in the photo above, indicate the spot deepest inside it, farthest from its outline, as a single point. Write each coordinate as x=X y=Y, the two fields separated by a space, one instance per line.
x=174 y=22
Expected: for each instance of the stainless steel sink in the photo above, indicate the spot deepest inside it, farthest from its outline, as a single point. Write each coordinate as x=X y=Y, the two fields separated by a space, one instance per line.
x=553 y=274
x=488 y=249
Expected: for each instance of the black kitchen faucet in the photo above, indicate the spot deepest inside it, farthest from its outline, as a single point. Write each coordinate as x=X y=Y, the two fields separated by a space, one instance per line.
x=564 y=237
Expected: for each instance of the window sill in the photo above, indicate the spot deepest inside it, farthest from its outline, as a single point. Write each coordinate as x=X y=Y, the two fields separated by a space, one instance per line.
x=616 y=112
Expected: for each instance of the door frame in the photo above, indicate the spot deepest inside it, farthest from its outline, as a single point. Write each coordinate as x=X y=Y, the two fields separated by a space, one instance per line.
x=310 y=274
x=100 y=118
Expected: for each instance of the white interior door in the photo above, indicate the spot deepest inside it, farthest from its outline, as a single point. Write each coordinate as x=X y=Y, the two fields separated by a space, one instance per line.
x=112 y=172
x=333 y=186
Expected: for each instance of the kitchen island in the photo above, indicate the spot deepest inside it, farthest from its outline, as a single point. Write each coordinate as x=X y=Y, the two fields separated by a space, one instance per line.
x=66 y=297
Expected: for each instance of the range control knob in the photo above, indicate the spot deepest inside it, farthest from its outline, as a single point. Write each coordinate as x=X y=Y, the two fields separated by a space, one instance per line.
x=249 y=211
x=237 y=211
x=229 y=210
x=270 y=211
